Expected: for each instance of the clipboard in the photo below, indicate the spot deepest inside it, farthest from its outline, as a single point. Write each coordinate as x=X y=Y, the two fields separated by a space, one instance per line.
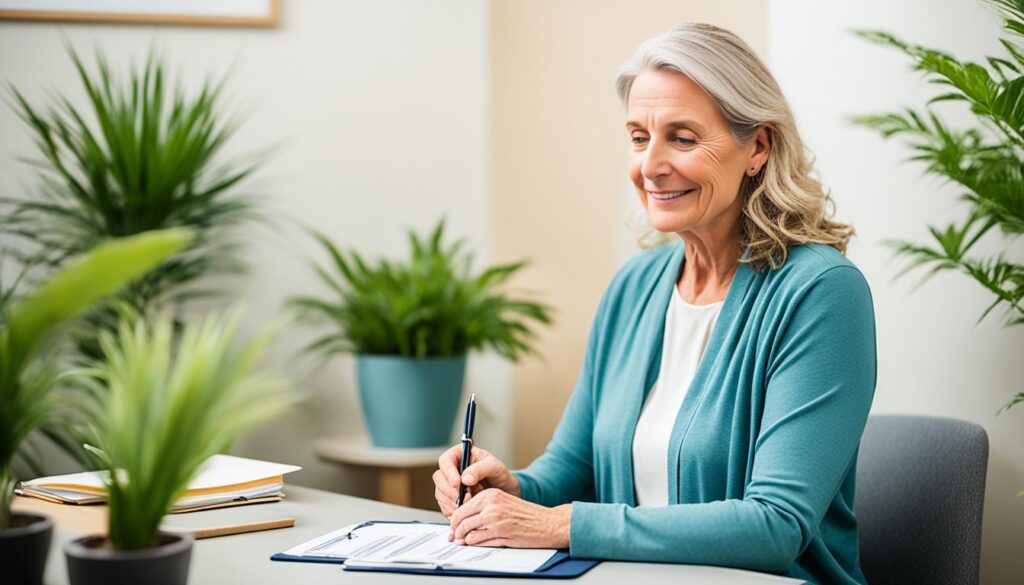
x=559 y=566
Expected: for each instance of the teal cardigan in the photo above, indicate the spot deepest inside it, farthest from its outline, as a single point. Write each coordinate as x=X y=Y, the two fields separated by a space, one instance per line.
x=763 y=453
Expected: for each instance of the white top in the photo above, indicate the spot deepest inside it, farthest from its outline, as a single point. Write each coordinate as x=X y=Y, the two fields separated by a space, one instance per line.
x=687 y=330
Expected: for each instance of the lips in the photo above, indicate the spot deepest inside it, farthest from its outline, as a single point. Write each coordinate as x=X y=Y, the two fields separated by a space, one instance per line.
x=669 y=195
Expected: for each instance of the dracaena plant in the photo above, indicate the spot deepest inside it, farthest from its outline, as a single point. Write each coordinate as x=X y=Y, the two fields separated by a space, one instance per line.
x=985 y=158
x=137 y=153
x=27 y=326
x=430 y=305
x=167 y=401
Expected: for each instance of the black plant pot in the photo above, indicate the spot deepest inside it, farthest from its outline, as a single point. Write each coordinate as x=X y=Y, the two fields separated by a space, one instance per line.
x=91 y=561
x=24 y=548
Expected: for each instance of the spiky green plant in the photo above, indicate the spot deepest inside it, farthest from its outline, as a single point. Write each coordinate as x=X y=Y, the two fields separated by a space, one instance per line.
x=986 y=159
x=431 y=305
x=169 y=402
x=137 y=154
x=26 y=375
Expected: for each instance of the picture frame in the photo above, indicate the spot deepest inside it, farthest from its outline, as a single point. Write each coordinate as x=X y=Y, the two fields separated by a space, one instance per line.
x=251 y=13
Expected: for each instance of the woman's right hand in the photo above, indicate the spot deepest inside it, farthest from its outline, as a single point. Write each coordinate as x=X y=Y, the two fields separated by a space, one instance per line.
x=485 y=471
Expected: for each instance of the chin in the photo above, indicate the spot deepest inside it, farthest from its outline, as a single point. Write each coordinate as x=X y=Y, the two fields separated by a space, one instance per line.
x=668 y=222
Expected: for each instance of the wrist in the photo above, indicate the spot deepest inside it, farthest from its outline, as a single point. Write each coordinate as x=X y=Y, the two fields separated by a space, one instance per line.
x=561 y=528
x=513 y=486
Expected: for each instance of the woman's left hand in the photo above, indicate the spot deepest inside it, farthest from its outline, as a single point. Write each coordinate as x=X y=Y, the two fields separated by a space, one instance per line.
x=497 y=518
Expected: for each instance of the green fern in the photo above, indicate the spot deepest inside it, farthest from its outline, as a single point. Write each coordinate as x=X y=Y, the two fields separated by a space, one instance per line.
x=986 y=159
x=429 y=306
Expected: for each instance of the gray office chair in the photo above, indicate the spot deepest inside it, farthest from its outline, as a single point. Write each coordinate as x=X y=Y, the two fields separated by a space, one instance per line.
x=919 y=498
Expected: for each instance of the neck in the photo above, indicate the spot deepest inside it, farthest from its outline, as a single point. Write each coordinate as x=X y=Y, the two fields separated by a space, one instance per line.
x=709 y=266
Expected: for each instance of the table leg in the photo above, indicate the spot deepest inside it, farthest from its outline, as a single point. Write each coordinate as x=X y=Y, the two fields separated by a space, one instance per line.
x=395 y=487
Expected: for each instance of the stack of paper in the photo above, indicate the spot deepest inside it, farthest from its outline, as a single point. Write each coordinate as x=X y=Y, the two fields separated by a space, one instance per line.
x=415 y=545
x=222 y=481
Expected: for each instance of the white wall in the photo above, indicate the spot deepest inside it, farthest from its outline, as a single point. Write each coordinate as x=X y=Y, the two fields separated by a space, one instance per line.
x=379 y=114
x=933 y=359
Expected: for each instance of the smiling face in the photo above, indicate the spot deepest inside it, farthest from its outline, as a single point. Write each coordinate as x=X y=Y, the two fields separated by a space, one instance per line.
x=685 y=164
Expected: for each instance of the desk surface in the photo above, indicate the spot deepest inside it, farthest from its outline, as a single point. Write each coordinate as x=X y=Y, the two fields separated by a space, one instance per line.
x=244 y=558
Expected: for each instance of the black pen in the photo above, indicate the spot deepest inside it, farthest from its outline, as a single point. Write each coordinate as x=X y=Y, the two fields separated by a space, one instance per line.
x=467 y=445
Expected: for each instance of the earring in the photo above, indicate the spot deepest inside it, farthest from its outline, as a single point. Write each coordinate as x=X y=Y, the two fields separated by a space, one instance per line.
x=753 y=171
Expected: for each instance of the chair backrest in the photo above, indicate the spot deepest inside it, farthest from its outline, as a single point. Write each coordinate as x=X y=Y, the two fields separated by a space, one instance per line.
x=919 y=498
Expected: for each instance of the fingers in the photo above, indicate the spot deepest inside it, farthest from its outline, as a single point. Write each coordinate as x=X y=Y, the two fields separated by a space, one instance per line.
x=485 y=537
x=469 y=507
x=448 y=464
x=447 y=496
x=468 y=525
x=444 y=494
x=444 y=486
x=484 y=468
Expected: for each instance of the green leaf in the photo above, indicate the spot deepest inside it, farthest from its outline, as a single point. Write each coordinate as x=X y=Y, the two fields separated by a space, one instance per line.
x=138 y=154
x=169 y=402
x=81 y=284
x=431 y=304
x=26 y=375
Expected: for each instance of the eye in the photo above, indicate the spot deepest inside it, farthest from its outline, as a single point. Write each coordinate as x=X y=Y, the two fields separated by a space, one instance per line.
x=637 y=139
x=684 y=141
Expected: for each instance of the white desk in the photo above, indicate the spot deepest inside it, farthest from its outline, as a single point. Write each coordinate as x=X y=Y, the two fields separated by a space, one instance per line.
x=244 y=558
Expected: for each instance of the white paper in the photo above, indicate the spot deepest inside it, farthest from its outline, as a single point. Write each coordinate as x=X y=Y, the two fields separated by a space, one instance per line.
x=65 y=495
x=92 y=481
x=222 y=470
x=319 y=543
x=218 y=471
x=417 y=545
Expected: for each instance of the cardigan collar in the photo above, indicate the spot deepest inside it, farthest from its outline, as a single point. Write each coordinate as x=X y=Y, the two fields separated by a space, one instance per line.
x=652 y=327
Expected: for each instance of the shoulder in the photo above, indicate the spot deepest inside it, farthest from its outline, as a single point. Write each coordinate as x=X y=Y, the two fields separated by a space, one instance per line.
x=810 y=266
x=816 y=280
x=813 y=260
x=643 y=271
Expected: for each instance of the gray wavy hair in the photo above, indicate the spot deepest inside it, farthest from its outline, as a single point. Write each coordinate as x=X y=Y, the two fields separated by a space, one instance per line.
x=785 y=203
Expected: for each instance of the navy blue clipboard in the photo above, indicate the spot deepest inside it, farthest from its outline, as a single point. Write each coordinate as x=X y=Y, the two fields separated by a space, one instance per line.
x=559 y=566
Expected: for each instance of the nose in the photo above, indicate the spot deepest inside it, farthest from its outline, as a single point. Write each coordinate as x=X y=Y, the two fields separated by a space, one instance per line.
x=655 y=163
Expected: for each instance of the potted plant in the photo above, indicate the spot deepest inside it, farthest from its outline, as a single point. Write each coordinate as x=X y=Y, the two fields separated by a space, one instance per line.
x=168 y=402
x=986 y=159
x=139 y=152
x=27 y=371
x=411 y=324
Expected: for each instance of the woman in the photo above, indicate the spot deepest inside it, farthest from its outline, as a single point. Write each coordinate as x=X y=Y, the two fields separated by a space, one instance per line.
x=728 y=377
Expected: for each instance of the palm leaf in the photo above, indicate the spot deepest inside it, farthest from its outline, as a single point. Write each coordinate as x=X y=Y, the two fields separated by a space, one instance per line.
x=432 y=304
x=170 y=402
x=986 y=158
x=138 y=154
x=26 y=376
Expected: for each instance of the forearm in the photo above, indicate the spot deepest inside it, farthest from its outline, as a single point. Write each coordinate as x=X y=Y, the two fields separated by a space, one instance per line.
x=552 y=480
x=746 y=534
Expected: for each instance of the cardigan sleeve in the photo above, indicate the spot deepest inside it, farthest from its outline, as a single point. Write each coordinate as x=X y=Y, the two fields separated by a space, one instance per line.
x=819 y=385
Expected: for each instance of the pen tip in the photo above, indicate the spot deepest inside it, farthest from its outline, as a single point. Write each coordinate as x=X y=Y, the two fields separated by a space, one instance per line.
x=472 y=397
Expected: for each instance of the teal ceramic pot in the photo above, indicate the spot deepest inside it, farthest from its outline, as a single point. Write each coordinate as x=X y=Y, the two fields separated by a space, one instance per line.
x=410 y=402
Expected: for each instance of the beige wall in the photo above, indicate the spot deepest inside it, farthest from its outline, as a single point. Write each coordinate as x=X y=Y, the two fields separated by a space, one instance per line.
x=558 y=175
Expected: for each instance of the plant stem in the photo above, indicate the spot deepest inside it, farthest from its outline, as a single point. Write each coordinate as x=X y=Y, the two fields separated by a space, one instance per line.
x=6 y=494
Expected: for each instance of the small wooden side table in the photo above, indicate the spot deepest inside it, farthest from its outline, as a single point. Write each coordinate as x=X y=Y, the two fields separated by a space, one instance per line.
x=394 y=465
